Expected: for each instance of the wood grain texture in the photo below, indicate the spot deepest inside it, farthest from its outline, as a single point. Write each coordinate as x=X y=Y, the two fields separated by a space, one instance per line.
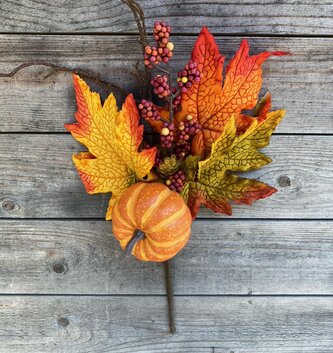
x=222 y=257
x=38 y=179
x=233 y=16
x=246 y=285
x=139 y=324
x=301 y=83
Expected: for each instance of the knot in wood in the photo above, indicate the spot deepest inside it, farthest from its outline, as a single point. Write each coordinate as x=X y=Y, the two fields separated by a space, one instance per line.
x=8 y=205
x=284 y=181
x=63 y=321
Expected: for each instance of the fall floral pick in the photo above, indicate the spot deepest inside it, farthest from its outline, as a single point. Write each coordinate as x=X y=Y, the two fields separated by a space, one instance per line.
x=161 y=162
x=198 y=139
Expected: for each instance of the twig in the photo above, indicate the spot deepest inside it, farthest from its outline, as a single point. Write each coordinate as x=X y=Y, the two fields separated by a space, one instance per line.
x=57 y=68
x=171 y=96
x=161 y=69
x=140 y=22
x=169 y=288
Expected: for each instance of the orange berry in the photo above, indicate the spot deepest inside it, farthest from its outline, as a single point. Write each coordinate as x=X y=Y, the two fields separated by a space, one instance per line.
x=148 y=49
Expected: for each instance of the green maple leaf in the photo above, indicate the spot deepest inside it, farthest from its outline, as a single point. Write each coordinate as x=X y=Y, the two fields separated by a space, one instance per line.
x=214 y=185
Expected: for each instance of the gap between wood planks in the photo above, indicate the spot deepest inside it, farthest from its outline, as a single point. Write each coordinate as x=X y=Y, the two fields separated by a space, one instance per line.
x=74 y=295
x=180 y=34
x=68 y=133
x=73 y=219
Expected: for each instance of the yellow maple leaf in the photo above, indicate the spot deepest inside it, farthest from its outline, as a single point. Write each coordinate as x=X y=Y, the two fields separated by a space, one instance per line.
x=112 y=137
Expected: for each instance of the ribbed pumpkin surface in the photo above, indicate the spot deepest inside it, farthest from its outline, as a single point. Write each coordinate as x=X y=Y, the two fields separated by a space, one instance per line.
x=158 y=212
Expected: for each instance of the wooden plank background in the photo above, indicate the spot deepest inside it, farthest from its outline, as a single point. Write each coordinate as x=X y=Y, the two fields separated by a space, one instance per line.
x=260 y=281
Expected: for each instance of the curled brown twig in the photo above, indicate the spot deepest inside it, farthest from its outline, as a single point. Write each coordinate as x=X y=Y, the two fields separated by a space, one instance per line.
x=139 y=19
x=58 y=68
x=140 y=22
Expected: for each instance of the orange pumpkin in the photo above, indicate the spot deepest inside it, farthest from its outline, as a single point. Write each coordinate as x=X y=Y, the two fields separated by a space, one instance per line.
x=151 y=222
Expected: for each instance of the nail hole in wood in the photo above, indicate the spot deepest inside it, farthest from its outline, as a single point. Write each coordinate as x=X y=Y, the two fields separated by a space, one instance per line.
x=63 y=321
x=59 y=268
x=284 y=181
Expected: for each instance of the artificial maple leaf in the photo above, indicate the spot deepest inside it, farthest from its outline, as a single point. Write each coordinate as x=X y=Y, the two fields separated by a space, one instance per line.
x=212 y=103
x=112 y=137
x=214 y=185
x=260 y=112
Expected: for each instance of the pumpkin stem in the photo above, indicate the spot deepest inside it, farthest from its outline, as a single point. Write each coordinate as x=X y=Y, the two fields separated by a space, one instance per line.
x=137 y=235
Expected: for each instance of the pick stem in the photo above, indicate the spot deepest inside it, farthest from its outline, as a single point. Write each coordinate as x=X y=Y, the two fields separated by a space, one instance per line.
x=169 y=288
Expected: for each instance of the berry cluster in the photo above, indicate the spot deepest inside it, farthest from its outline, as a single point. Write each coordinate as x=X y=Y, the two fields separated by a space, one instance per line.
x=175 y=140
x=182 y=136
x=176 y=181
x=187 y=129
x=161 y=33
x=167 y=135
x=148 y=110
x=183 y=150
x=189 y=75
x=154 y=55
x=163 y=51
x=160 y=86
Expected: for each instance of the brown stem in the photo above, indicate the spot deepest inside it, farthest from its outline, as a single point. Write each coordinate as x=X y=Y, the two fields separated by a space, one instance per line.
x=137 y=235
x=161 y=69
x=169 y=288
x=59 y=68
x=140 y=22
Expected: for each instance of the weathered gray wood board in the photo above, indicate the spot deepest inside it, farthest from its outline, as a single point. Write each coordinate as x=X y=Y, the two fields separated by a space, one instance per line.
x=139 y=324
x=232 y=16
x=301 y=83
x=223 y=257
x=38 y=176
x=259 y=282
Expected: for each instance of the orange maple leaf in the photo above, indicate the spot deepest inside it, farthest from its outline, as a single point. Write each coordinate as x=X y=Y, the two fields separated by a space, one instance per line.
x=212 y=103
x=112 y=137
